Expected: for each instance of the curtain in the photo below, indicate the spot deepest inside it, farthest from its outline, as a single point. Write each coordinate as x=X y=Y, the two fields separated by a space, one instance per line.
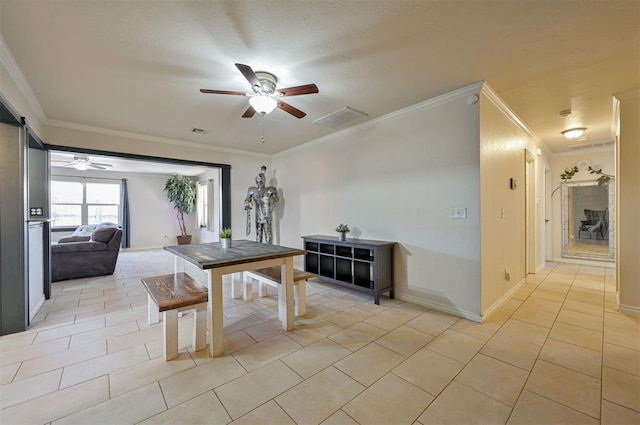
x=126 y=220
x=211 y=226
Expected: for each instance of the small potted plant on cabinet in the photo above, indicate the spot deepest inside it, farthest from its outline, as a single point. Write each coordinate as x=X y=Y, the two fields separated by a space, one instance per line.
x=225 y=238
x=181 y=191
x=342 y=230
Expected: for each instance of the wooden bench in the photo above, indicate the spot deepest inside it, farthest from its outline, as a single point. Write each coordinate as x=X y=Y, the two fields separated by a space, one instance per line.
x=173 y=293
x=272 y=276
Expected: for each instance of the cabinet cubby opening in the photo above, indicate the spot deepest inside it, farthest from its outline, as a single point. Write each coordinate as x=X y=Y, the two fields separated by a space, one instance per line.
x=343 y=270
x=327 y=249
x=362 y=273
x=311 y=246
x=344 y=251
x=326 y=266
x=311 y=263
x=363 y=283
x=362 y=254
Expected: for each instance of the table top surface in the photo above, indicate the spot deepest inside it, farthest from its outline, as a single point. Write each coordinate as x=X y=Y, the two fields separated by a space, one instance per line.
x=212 y=255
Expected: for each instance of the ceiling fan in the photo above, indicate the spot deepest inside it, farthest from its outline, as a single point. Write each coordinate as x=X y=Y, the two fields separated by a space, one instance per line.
x=265 y=98
x=82 y=163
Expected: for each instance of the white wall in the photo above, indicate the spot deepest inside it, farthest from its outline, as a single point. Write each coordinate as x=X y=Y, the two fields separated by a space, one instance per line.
x=628 y=204
x=395 y=178
x=600 y=156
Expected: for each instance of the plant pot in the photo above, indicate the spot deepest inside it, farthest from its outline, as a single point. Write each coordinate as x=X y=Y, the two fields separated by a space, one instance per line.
x=184 y=240
x=225 y=243
x=342 y=236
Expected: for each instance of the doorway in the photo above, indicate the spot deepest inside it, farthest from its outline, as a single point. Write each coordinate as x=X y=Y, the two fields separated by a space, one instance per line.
x=152 y=220
x=530 y=213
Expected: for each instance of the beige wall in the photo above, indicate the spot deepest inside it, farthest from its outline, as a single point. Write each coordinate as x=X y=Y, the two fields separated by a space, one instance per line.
x=503 y=140
x=628 y=206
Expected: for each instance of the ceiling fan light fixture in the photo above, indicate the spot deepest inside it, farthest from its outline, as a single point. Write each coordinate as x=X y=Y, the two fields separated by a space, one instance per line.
x=81 y=163
x=263 y=104
x=81 y=166
x=574 y=133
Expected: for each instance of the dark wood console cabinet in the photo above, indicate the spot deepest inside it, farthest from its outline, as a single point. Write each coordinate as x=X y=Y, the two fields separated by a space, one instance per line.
x=360 y=264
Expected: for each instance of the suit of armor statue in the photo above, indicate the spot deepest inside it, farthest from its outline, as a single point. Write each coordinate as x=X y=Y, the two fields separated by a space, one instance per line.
x=265 y=200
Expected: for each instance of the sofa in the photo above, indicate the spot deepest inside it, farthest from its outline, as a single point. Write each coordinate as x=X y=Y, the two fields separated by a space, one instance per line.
x=90 y=251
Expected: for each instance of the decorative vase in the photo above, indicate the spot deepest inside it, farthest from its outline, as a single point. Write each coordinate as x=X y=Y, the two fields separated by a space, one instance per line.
x=184 y=240
x=342 y=236
x=225 y=243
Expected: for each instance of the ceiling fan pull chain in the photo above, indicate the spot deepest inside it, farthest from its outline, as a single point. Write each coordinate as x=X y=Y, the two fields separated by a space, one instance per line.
x=262 y=128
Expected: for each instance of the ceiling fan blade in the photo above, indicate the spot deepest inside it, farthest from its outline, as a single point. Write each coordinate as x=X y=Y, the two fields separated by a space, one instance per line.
x=234 y=93
x=97 y=167
x=249 y=75
x=101 y=164
x=290 y=109
x=298 y=90
x=250 y=112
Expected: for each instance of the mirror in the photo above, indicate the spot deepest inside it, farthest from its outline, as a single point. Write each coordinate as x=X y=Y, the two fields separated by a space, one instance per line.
x=588 y=220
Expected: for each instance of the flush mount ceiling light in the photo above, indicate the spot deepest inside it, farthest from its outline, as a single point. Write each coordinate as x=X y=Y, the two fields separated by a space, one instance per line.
x=574 y=133
x=263 y=104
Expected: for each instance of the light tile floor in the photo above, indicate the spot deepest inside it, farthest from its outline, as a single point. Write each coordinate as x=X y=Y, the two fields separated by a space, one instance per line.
x=558 y=352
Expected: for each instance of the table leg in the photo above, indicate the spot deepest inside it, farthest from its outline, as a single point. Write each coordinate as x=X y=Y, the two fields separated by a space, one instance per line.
x=287 y=291
x=153 y=312
x=236 y=283
x=300 y=296
x=216 y=320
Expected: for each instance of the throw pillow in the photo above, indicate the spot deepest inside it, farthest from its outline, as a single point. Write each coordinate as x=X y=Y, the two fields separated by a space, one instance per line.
x=103 y=233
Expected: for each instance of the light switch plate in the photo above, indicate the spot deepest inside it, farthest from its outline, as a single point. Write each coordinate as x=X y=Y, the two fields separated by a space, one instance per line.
x=458 y=213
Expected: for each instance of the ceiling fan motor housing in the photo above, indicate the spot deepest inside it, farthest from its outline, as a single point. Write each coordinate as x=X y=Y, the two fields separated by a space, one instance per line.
x=268 y=82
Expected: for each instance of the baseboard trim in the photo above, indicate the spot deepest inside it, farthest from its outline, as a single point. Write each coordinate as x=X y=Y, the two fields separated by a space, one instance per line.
x=629 y=309
x=496 y=305
x=595 y=263
x=470 y=315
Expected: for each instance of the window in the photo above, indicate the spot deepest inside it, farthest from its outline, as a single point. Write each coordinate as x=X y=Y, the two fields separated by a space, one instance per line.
x=75 y=202
x=202 y=204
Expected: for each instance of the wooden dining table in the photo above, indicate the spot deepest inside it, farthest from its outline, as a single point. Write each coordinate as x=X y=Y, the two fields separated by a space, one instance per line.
x=243 y=256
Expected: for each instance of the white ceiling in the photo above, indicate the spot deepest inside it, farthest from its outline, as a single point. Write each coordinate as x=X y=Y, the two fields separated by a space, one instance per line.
x=137 y=66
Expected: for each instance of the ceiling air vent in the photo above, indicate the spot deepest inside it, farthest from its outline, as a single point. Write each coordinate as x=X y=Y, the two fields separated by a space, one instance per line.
x=340 y=117
x=590 y=145
x=198 y=130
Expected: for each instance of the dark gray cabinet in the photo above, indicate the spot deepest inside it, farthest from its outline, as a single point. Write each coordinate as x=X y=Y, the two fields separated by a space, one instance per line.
x=361 y=264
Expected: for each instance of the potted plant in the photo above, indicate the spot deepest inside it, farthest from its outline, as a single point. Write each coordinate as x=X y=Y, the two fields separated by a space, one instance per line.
x=225 y=238
x=342 y=230
x=181 y=191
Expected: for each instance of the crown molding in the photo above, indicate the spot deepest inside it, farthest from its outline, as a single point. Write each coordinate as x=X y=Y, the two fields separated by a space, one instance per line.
x=630 y=94
x=471 y=89
x=9 y=62
x=148 y=138
x=500 y=104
